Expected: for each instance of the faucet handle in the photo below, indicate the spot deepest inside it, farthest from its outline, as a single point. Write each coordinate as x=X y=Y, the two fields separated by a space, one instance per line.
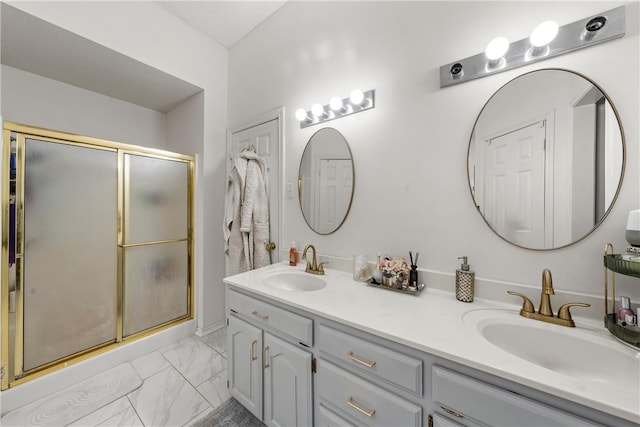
x=527 y=305
x=565 y=314
x=321 y=268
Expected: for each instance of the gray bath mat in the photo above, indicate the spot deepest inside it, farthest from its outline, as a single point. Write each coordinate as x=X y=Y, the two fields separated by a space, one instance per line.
x=232 y=414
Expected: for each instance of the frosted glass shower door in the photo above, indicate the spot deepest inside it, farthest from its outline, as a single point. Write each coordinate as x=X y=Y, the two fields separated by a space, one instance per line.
x=156 y=242
x=70 y=250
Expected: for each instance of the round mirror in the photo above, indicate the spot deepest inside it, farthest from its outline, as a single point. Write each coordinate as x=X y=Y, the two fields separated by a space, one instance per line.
x=546 y=159
x=325 y=181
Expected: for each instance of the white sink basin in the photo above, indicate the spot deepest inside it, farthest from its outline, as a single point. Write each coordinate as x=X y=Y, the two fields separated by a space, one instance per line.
x=295 y=281
x=578 y=352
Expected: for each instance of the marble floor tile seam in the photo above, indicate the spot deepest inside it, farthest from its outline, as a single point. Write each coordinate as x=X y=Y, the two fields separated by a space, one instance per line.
x=167 y=398
x=202 y=381
x=183 y=369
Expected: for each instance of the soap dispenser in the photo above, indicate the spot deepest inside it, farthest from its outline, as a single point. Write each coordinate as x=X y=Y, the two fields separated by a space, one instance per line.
x=464 y=282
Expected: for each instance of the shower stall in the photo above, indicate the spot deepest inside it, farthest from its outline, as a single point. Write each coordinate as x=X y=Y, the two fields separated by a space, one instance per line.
x=97 y=247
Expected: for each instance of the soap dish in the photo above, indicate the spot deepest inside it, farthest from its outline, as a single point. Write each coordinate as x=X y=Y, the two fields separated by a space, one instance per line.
x=407 y=290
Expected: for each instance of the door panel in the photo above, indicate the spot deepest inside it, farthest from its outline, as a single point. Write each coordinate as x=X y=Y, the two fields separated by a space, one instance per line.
x=514 y=185
x=287 y=384
x=336 y=186
x=265 y=140
x=245 y=364
x=70 y=253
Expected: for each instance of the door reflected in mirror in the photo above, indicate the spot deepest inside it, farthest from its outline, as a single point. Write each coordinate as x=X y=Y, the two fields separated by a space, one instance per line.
x=325 y=181
x=546 y=159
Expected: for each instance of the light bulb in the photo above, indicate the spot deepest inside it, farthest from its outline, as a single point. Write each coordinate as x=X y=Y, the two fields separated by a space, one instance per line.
x=356 y=97
x=301 y=114
x=544 y=33
x=335 y=103
x=497 y=48
x=317 y=110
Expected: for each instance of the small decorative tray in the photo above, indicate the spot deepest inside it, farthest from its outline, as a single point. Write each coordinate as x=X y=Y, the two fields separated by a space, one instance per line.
x=615 y=262
x=406 y=290
x=627 y=335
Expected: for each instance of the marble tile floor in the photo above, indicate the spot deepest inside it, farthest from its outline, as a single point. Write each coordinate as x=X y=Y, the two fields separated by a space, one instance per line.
x=179 y=385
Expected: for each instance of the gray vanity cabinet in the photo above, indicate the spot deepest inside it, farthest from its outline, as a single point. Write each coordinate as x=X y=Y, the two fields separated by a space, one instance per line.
x=472 y=402
x=269 y=367
x=362 y=379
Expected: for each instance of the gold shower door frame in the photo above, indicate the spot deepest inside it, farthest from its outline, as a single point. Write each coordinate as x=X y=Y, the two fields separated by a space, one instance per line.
x=18 y=376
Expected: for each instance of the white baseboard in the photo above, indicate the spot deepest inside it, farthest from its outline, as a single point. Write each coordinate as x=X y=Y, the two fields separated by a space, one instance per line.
x=206 y=331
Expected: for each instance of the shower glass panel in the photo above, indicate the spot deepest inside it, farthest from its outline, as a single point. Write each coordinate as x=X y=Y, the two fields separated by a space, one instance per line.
x=70 y=250
x=156 y=281
x=97 y=247
x=156 y=242
x=156 y=203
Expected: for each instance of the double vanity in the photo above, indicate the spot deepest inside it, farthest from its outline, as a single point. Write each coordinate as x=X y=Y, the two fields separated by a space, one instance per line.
x=326 y=350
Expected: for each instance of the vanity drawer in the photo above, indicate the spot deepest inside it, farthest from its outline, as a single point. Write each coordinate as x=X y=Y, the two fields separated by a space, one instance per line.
x=328 y=418
x=391 y=366
x=466 y=398
x=299 y=328
x=363 y=401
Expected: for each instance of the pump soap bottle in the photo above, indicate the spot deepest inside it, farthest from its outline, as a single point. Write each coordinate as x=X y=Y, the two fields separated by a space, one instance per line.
x=464 y=282
x=293 y=255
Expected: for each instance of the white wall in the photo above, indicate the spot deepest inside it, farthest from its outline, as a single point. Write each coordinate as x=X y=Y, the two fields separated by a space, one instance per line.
x=147 y=33
x=411 y=190
x=37 y=101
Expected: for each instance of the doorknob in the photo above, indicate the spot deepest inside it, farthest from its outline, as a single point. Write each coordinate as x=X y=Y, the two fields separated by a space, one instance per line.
x=270 y=246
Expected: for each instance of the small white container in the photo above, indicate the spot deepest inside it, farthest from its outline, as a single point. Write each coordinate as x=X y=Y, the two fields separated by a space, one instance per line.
x=361 y=268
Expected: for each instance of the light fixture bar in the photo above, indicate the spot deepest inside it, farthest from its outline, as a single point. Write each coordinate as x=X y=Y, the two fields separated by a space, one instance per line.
x=576 y=35
x=348 y=108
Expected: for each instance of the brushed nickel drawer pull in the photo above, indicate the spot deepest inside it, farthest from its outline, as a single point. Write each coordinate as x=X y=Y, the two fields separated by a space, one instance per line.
x=259 y=316
x=360 y=361
x=359 y=409
x=451 y=412
x=253 y=350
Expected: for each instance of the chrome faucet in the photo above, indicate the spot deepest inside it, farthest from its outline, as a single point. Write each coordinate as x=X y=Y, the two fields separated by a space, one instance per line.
x=545 y=313
x=312 y=266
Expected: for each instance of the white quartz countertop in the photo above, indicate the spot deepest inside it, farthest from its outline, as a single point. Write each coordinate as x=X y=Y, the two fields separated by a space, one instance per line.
x=433 y=322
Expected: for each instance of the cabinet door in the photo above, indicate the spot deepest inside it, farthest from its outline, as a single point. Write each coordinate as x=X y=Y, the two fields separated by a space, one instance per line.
x=287 y=384
x=245 y=364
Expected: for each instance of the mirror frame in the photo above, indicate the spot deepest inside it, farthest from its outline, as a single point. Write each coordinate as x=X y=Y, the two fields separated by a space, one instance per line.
x=622 y=168
x=353 y=172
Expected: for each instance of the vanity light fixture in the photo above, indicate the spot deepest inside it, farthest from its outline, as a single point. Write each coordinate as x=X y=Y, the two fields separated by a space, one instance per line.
x=301 y=115
x=337 y=107
x=541 y=36
x=546 y=41
x=495 y=51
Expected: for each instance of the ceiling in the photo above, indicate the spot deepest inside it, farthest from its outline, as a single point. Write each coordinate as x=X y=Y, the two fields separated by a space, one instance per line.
x=33 y=45
x=36 y=46
x=224 y=21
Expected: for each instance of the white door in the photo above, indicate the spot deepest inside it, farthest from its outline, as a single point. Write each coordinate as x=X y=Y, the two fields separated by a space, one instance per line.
x=245 y=364
x=336 y=184
x=265 y=140
x=287 y=384
x=514 y=202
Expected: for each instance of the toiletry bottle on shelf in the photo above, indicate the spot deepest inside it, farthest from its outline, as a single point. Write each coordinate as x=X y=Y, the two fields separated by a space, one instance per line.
x=625 y=315
x=377 y=273
x=464 y=282
x=293 y=255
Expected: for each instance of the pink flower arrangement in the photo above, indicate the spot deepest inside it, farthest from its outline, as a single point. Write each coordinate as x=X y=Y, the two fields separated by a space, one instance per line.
x=394 y=265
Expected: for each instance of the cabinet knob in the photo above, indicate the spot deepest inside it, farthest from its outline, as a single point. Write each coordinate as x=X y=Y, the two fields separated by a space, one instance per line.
x=270 y=246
